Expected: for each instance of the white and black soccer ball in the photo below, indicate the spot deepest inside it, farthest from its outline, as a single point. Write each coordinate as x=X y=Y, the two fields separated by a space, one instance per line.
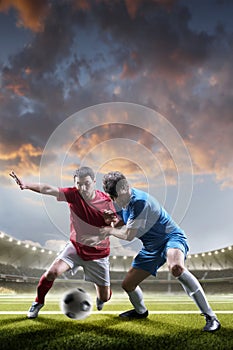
x=76 y=304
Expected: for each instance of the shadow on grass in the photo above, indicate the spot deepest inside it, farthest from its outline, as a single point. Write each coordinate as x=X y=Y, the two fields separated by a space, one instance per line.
x=107 y=332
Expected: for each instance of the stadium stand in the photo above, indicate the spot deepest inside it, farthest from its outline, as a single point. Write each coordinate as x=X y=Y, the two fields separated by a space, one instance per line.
x=22 y=264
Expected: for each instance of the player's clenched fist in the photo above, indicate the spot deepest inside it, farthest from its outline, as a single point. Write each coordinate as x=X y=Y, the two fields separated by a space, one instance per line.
x=110 y=217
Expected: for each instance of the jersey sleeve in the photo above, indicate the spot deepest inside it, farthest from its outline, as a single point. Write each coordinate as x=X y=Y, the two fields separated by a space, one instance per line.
x=66 y=194
x=138 y=215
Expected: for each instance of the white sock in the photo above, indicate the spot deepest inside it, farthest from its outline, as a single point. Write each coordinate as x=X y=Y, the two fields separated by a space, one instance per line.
x=195 y=291
x=136 y=298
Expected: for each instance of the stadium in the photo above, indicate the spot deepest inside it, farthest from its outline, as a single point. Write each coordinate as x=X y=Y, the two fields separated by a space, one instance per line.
x=22 y=264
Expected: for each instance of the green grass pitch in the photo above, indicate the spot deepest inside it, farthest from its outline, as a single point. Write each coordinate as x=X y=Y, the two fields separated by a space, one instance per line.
x=173 y=323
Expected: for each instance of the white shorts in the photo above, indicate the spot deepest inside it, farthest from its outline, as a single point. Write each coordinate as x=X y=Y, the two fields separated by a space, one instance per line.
x=96 y=271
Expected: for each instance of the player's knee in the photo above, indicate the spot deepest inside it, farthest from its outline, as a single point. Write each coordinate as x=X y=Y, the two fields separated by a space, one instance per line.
x=124 y=285
x=104 y=298
x=127 y=287
x=104 y=294
x=176 y=270
x=51 y=275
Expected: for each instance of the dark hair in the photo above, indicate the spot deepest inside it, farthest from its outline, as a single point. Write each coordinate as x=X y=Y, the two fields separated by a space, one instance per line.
x=113 y=182
x=84 y=171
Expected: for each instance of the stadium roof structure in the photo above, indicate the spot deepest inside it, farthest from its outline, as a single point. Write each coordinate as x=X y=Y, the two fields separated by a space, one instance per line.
x=19 y=253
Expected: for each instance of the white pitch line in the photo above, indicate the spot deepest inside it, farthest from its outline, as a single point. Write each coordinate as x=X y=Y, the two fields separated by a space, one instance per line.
x=114 y=312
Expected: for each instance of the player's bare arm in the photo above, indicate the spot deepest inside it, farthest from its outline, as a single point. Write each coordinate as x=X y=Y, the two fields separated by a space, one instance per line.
x=35 y=187
x=123 y=232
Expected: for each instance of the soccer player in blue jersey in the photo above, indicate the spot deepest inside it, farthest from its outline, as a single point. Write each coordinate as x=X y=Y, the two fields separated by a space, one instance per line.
x=163 y=241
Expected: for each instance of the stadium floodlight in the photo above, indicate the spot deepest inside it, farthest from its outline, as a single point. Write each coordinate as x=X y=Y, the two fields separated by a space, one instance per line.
x=196 y=255
x=216 y=252
x=203 y=254
x=33 y=248
x=27 y=246
x=2 y=235
x=209 y=253
x=19 y=243
x=10 y=239
x=124 y=257
x=189 y=256
x=50 y=252
x=229 y=248
x=114 y=257
x=223 y=250
x=42 y=251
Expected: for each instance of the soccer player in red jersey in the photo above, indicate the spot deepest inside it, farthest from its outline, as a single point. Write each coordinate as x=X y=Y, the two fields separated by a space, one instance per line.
x=86 y=248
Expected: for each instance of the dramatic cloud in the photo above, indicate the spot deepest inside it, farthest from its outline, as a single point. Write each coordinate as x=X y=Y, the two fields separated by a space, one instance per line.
x=24 y=161
x=31 y=14
x=153 y=50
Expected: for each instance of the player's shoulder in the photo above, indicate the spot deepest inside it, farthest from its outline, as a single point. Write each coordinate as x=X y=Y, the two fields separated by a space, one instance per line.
x=138 y=195
x=68 y=189
x=102 y=195
x=68 y=194
x=142 y=198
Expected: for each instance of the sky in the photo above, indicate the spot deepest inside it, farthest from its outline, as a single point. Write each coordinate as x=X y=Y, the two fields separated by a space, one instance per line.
x=143 y=87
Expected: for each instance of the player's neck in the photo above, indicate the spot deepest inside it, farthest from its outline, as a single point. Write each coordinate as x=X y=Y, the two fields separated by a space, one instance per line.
x=92 y=197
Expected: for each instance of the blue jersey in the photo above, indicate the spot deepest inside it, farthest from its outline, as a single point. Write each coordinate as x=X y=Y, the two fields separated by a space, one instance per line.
x=154 y=225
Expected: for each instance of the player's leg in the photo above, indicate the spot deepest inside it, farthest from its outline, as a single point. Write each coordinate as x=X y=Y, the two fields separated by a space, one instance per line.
x=131 y=285
x=57 y=268
x=62 y=263
x=175 y=261
x=145 y=264
x=97 y=272
x=45 y=284
x=104 y=294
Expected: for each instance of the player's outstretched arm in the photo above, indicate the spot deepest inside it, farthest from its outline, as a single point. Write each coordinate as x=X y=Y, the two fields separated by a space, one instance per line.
x=123 y=232
x=36 y=187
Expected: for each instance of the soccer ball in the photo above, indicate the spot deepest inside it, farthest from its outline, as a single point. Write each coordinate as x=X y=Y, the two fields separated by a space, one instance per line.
x=76 y=304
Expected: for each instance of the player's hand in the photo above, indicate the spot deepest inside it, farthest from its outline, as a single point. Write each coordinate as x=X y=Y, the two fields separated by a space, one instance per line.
x=110 y=217
x=17 y=180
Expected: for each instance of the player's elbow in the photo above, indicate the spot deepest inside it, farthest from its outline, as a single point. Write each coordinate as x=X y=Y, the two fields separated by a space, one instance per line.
x=50 y=190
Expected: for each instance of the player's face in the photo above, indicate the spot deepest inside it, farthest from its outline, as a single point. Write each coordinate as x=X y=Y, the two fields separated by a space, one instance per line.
x=122 y=199
x=86 y=186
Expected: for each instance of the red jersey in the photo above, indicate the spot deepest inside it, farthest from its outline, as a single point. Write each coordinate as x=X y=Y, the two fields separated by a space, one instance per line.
x=85 y=220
